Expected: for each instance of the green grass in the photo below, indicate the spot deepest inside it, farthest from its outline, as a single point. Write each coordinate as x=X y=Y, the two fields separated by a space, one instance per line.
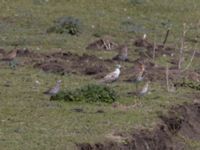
x=28 y=120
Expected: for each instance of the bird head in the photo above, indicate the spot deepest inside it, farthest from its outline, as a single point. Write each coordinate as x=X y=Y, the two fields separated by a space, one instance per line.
x=144 y=36
x=118 y=66
x=142 y=66
x=59 y=81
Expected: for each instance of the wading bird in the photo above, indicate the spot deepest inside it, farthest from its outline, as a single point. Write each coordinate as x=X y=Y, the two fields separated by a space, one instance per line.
x=113 y=76
x=10 y=57
x=54 y=90
x=122 y=54
x=144 y=90
x=138 y=74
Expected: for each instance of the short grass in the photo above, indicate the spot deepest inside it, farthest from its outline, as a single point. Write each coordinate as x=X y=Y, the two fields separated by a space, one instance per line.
x=28 y=120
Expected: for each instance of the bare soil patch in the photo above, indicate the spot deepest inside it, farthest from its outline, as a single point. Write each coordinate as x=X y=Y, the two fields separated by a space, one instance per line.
x=62 y=62
x=182 y=119
x=65 y=62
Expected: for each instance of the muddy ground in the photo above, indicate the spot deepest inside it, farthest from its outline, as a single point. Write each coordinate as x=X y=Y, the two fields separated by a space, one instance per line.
x=63 y=62
x=181 y=121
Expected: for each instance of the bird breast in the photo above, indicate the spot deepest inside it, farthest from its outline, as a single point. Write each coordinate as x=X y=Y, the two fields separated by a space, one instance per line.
x=117 y=72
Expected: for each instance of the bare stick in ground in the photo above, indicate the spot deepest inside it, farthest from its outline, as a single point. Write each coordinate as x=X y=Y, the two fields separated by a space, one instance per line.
x=167 y=78
x=154 y=48
x=182 y=47
x=170 y=86
x=189 y=64
x=166 y=37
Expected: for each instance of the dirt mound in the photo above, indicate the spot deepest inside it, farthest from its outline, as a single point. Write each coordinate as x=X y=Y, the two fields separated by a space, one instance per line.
x=104 y=43
x=160 y=49
x=185 y=120
x=182 y=119
x=60 y=62
x=154 y=72
x=2 y=51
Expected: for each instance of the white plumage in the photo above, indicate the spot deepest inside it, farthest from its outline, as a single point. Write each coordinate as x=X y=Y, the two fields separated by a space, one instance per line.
x=113 y=76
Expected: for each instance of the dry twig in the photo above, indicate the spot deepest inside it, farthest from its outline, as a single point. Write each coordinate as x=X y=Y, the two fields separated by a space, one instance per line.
x=182 y=47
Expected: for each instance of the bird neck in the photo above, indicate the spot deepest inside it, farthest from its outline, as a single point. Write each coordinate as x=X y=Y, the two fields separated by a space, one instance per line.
x=117 y=70
x=57 y=84
x=147 y=85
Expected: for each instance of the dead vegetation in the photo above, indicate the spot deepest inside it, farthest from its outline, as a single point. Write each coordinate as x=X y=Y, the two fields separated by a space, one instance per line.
x=104 y=43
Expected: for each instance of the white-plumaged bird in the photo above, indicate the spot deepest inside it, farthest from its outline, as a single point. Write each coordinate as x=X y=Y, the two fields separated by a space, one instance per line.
x=54 y=90
x=113 y=76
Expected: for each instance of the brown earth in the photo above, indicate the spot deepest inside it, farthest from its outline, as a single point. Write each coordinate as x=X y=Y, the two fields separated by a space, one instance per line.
x=181 y=121
x=104 y=43
x=160 y=49
x=66 y=62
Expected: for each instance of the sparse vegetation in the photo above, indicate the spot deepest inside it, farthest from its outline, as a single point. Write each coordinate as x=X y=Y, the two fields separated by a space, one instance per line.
x=189 y=84
x=29 y=120
x=69 y=25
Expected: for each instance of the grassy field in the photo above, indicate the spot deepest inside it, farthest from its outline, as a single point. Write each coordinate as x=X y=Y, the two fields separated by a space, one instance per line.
x=28 y=120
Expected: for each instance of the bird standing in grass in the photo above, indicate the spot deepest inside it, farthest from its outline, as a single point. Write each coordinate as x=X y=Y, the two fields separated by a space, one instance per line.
x=10 y=56
x=123 y=53
x=138 y=74
x=113 y=76
x=54 y=90
x=144 y=90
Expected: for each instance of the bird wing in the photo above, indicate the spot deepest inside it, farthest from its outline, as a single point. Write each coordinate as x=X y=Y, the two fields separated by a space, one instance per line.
x=51 y=90
x=110 y=77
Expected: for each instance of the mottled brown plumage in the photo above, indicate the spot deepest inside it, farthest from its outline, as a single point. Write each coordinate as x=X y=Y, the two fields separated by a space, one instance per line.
x=139 y=70
x=123 y=53
x=10 y=55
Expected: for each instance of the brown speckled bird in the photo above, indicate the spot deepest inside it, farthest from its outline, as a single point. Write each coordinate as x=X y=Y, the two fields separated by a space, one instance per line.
x=138 y=76
x=54 y=90
x=10 y=56
x=123 y=53
x=139 y=73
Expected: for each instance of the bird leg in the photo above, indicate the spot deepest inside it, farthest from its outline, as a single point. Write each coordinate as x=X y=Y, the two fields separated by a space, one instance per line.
x=136 y=85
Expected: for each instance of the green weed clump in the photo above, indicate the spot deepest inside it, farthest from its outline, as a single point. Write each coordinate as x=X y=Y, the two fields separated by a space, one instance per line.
x=69 y=25
x=90 y=93
x=189 y=84
x=137 y=1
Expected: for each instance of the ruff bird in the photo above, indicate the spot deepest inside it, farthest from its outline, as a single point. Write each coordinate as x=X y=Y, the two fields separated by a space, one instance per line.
x=10 y=57
x=113 y=76
x=138 y=74
x=144 y=90
x=123 y=53
x=54 y=90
